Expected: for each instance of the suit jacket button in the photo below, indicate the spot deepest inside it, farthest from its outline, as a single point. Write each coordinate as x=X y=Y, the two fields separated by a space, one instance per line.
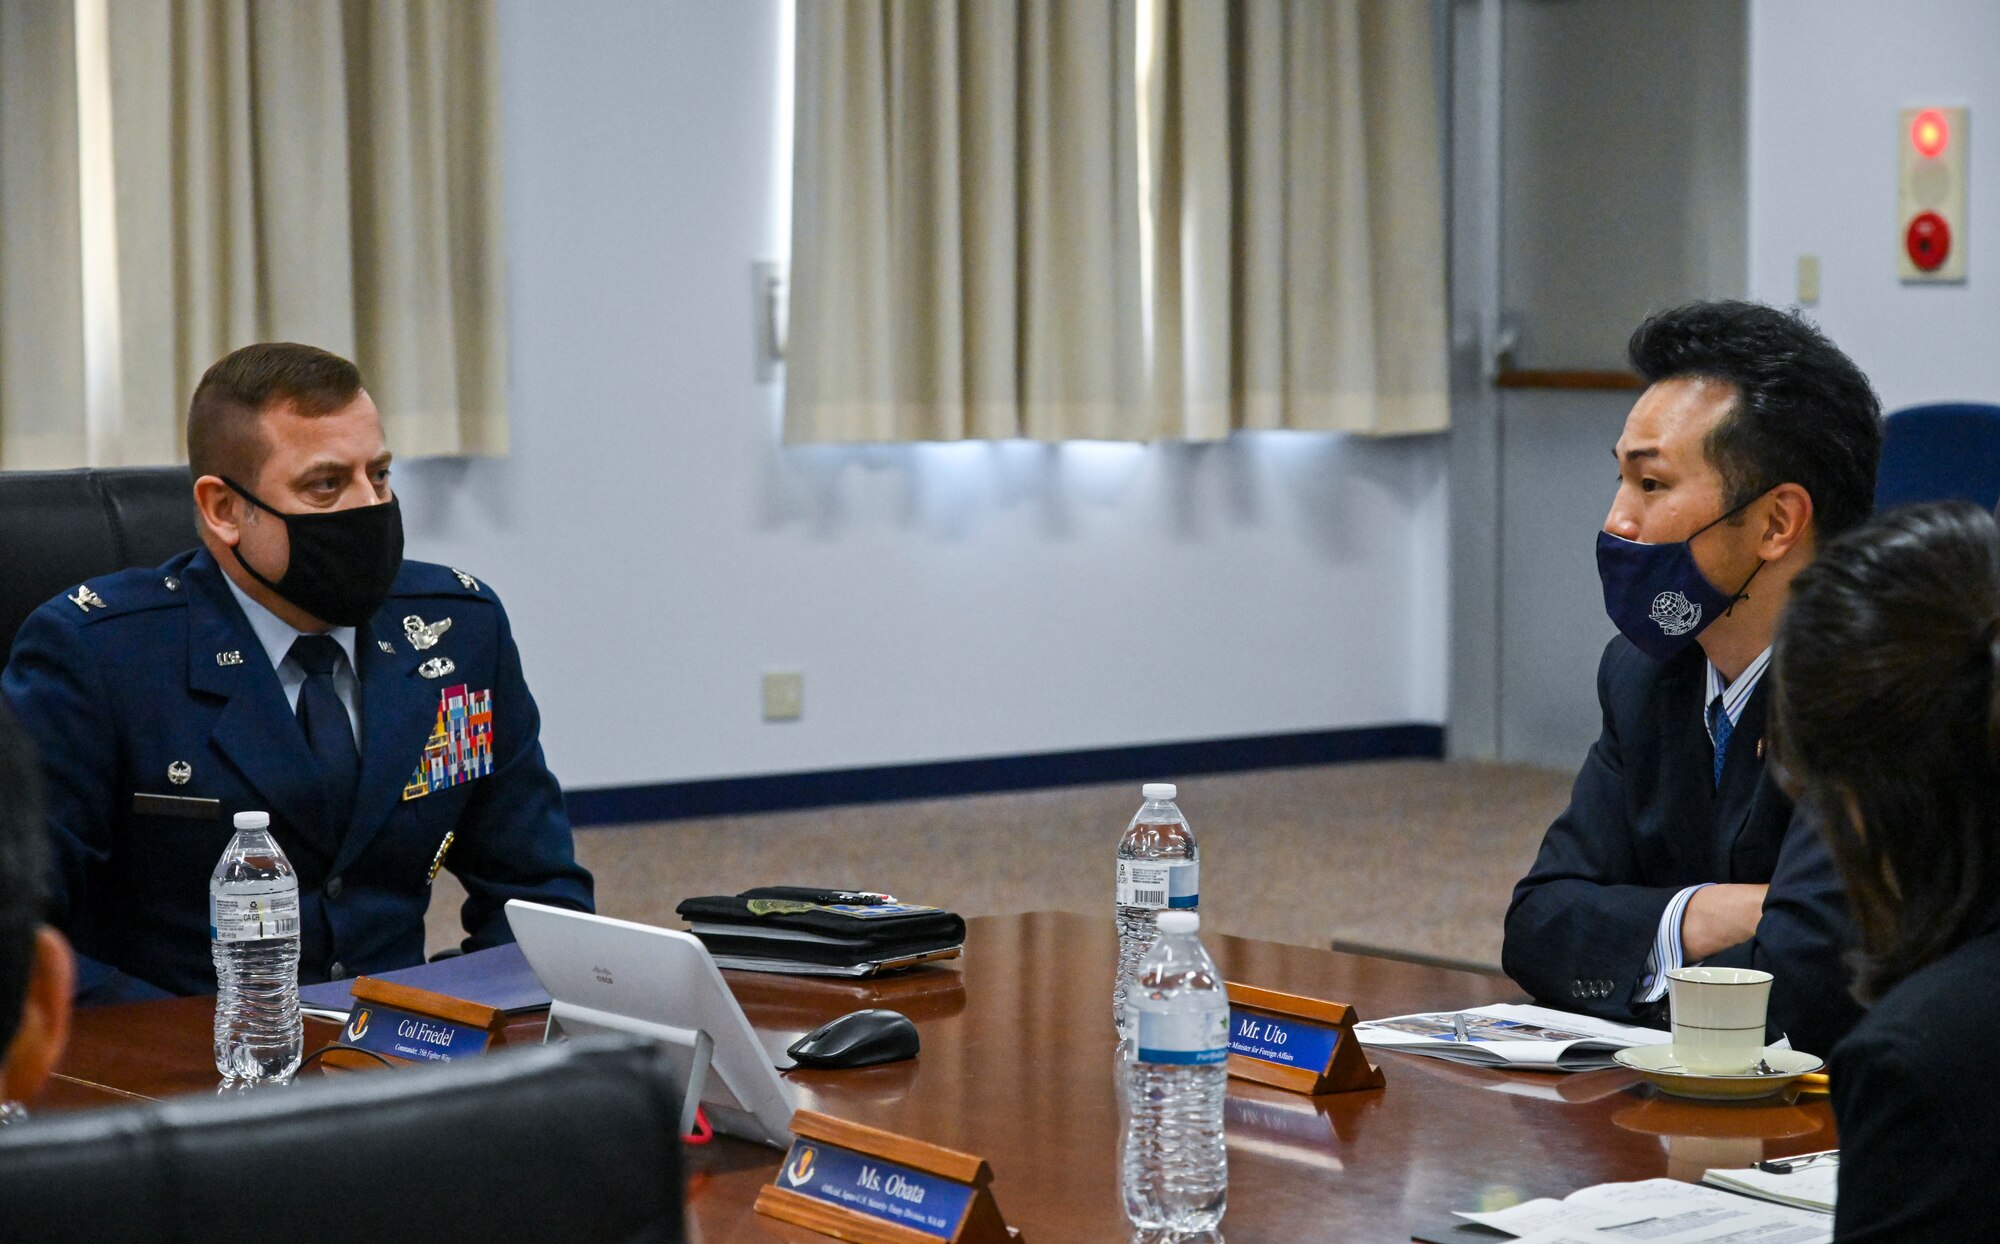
x=335 y=886
x=336 y=970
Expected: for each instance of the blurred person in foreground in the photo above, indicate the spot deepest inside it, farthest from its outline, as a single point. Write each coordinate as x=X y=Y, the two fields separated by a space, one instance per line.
x=35 y=963
x=1887 y=667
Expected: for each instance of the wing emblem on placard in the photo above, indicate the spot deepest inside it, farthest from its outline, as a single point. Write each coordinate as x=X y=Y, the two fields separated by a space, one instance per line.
x=801 y=1169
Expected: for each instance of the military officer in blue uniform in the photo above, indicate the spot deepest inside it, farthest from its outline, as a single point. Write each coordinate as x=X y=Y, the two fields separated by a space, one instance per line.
x=294 y=664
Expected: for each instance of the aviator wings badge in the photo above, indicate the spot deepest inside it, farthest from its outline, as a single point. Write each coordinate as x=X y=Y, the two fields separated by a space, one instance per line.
x=423 y=635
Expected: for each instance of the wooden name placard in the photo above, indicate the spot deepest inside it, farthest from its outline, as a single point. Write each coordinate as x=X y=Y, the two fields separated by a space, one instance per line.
x=393 y=1023
x=869 y=1186
x=1301 y=1044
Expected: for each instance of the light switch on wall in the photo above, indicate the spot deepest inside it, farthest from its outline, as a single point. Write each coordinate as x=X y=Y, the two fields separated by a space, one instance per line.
x=769 y=294
x=1808 y=280
x=784 y=696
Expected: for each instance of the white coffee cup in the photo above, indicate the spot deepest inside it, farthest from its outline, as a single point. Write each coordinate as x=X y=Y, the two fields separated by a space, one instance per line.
x=1718 y=1018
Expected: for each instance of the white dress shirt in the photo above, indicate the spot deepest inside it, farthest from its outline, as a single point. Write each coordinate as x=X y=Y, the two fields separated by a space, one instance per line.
x=1668 y=952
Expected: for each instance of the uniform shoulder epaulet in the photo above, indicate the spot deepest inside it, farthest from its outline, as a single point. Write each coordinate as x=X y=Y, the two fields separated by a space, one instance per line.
x=430 y=579
x=122 y=592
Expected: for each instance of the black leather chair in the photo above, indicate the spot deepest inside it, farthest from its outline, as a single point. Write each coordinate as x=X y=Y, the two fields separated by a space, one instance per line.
x=58 y=528
x=538 y=1145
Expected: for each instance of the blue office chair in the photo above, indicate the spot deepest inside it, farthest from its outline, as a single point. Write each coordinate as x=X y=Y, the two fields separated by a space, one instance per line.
x=1946 y=452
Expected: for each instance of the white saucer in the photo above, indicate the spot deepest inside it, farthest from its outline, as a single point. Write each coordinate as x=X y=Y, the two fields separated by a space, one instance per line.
x=1656 y=1063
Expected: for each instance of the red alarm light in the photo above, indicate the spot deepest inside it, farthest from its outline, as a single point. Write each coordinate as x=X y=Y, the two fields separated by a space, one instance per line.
x=1930 y=134
x=1928 y=240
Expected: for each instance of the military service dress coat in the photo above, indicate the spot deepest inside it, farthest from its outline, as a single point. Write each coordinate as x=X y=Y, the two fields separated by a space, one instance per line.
x=1646 y=819
x=159 y=717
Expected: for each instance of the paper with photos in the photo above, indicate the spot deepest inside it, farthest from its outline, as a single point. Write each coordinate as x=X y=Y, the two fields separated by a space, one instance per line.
x=1510 y=1035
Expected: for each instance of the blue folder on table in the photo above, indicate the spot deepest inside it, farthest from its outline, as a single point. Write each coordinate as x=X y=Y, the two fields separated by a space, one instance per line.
x=498 y=976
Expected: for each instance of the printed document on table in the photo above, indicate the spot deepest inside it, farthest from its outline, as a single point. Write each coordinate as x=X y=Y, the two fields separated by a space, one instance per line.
x=1657 y=1211
x=1510 y=1035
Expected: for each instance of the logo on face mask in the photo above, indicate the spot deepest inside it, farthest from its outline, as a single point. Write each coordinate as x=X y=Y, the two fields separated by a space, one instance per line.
x=1675 y=614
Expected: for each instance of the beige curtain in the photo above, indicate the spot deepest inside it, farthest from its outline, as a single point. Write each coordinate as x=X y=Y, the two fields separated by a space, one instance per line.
x=965 y=241
x=41 y=281
x=1142 y=220
x=310 y=170
x=1297 y=188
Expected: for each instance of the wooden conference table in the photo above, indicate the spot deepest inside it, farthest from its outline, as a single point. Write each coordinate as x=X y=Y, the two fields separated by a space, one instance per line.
x=1017 y=1067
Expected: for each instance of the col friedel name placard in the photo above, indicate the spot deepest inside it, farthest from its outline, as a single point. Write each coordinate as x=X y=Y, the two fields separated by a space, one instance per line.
x=393 y=1023
x=418 y=1038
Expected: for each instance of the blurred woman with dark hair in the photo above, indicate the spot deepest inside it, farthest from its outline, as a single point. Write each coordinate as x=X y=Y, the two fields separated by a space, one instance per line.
x=36 y=972
x=1888 y=724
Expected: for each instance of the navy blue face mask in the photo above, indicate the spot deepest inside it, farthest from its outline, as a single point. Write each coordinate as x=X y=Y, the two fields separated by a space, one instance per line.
x=1655 y=593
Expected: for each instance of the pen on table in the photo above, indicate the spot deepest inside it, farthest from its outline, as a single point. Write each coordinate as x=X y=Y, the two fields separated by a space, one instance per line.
x=1458 y=1028
x=1785 y=1166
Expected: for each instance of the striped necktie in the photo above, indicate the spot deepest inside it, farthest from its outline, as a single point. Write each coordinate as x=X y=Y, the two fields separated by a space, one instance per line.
x=1719 y=728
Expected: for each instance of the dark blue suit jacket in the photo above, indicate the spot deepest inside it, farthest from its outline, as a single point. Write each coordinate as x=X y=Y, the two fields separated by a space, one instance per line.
x=1645 y=820
x=167 y=673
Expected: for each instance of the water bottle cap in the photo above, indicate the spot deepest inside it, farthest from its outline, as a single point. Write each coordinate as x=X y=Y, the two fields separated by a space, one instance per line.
x=1158 y=790
x=253 y=820
x=1179 y=921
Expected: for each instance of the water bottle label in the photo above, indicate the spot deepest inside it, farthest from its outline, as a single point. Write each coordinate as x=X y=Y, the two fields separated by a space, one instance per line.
x=1159 y=883
x=1197 y=1039
x=252 y=913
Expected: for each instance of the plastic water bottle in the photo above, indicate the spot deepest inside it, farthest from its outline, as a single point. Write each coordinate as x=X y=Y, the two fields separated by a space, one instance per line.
x=1159 y=867
x=1176 y=1075
x=253 y=931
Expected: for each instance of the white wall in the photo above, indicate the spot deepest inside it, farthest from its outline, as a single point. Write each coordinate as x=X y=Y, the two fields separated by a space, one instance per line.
x=1620 y=163
x=1827 y=79
x=659 y=549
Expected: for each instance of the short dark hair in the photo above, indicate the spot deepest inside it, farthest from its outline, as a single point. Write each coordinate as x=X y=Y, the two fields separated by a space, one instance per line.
x=223 y=437
x=1804 y=413
x=1887 y=725
x=24 y=868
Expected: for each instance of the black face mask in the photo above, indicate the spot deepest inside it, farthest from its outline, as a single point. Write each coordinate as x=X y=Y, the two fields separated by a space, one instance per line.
x=343 y=561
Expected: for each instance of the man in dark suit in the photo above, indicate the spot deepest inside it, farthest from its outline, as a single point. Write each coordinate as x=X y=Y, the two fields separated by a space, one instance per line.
x=296 y=665
x=1754 y=443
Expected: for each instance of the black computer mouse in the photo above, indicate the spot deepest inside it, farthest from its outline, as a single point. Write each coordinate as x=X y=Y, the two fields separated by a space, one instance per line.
x=858 y=1039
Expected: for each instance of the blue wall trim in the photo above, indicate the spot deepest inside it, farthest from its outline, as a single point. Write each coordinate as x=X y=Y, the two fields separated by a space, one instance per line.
x=778 y=792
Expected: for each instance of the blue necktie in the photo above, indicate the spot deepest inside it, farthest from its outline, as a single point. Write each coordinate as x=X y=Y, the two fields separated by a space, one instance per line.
x=1719 y=728
x=329 y=732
